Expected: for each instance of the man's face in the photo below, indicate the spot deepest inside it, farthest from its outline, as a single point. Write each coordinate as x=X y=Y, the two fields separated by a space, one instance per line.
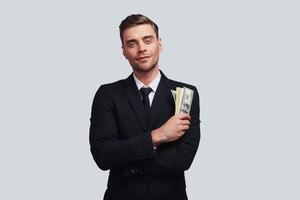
x=141 y=47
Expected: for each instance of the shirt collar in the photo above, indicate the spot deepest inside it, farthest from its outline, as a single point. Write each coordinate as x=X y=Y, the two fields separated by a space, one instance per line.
x=153 y=85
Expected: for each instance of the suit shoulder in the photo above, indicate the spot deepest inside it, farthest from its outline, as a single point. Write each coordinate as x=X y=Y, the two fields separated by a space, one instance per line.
x=113 y=85
x=175 y=84
x=110 y=87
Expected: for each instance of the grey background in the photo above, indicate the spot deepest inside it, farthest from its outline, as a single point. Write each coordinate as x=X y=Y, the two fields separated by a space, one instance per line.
x=242 y=55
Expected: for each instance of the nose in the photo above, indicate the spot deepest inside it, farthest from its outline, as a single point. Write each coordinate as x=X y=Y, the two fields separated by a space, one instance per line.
x=141 y=47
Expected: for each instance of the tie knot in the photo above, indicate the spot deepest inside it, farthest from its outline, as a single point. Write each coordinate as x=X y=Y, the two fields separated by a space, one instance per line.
x=145 y=91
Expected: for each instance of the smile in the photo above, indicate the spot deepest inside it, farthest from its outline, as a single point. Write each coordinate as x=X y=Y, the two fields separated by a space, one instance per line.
x=143 y=58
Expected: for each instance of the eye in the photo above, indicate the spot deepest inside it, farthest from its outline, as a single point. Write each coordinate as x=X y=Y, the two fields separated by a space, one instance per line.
x=148 y=40
x=131 y=44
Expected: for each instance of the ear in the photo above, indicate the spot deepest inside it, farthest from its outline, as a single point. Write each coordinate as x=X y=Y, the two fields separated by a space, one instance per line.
x=124 y=53
x=160 y=45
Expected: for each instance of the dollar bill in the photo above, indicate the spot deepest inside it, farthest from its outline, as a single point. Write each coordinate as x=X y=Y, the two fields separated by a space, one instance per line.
x=174 y=94
x=183 y=98
x=186 y=100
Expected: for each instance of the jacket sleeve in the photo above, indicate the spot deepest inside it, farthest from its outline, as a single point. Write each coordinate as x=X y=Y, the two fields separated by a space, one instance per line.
x=107 y=149
x=175 y=156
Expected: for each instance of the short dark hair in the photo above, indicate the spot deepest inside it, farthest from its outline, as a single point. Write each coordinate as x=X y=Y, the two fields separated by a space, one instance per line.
x=135 y=20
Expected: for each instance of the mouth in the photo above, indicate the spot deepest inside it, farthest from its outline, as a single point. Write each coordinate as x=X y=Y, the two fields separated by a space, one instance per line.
x=142 y=58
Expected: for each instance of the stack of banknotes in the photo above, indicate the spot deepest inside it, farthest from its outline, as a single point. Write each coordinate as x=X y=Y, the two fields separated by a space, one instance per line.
x=183 y=98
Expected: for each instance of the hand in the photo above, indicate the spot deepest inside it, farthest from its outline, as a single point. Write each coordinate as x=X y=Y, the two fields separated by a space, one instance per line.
x=172 y=130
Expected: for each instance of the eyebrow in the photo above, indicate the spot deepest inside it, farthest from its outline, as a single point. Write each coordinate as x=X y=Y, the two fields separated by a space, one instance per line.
x=148 y=37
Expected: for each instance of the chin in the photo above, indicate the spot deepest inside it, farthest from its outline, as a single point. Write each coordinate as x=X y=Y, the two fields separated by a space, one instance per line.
x=143 y=68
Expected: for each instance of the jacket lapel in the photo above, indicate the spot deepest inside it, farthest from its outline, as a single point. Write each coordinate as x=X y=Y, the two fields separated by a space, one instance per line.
x=134 y=98
x=163 y=97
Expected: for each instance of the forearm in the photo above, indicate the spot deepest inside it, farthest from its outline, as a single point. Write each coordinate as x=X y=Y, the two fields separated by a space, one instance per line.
x=170 y=157
x=110 y=154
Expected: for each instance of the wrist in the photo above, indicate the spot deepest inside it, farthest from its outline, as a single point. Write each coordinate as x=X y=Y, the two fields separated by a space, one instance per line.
x=156 y=139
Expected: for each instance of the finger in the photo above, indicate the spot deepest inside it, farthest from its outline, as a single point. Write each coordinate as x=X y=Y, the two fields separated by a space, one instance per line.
x=185 y=122
x=184 y=127
x=189 y=117
x=182 y=133
x=185 y=116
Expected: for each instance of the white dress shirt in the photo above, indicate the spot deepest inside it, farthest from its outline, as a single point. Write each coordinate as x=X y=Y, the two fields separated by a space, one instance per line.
x=153 y=85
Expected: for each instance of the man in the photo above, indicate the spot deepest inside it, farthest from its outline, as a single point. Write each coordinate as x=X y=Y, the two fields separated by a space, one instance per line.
x=134 y=132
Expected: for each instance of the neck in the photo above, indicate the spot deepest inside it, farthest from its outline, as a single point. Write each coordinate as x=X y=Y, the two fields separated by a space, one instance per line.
x=146 y=77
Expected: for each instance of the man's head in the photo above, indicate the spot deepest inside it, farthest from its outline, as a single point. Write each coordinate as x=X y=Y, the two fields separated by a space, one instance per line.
x=135 y=20
x=140 y=43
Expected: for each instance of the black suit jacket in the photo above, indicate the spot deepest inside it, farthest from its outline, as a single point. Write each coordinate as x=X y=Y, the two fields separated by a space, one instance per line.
x=121 y=141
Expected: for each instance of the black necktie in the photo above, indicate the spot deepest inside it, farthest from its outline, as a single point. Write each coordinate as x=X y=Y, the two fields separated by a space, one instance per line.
x=145 y=92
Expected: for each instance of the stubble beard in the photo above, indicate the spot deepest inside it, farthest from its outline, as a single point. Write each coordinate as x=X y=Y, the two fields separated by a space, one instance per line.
x=141 y=69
